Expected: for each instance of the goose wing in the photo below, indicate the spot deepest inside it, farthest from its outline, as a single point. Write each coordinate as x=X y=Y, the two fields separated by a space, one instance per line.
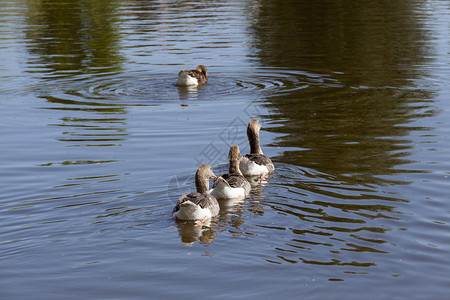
x=261 y=160
x=235 y=180
x=202 y=200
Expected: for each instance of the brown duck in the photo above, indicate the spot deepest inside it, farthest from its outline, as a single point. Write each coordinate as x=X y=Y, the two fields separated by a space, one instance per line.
x=192 y=77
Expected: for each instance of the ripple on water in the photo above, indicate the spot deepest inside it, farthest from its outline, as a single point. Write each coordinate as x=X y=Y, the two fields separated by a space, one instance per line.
x=141 y=88
x=317 y=229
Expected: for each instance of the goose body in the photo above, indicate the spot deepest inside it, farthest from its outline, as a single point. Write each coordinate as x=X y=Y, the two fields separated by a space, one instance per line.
x=223 y=189
x=201 y=205
x=192 y=77
x=194 y=206
x=234 y=184
x=255 y=163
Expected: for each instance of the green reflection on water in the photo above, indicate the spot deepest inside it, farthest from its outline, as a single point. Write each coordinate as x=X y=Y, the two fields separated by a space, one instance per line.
x=76 y=36
x=360 y=128
x=350 y=127
x=374 y=43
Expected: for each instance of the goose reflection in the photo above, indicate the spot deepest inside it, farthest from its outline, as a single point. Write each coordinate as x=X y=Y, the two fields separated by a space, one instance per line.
x=187 y=92
x=231 y=218
x=191 y=233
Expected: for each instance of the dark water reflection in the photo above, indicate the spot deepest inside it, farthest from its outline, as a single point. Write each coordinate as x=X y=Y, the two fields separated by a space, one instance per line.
x=97 y=145
x=73 y=37
x=360 y=128
x=351 y=138
x=369 y=43
x=355 y=136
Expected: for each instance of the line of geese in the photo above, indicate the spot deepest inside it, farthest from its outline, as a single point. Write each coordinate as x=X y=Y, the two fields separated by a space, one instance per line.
x=201 y=205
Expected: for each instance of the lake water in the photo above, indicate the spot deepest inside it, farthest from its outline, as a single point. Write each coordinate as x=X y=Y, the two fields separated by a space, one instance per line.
x=97 y=144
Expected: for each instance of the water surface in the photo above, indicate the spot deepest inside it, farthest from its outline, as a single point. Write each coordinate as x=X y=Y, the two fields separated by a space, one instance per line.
x=97 y=145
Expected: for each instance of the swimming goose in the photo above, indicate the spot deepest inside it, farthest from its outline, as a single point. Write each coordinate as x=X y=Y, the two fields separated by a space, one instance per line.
x=255 y=163
x=198 y=206
x=192 y=77
x=232 y=185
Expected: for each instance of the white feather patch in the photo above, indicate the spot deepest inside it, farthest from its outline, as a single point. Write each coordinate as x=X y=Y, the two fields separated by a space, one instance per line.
x=185 y=79
x=250 y=168
x=191 y=211
x=223 y=190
